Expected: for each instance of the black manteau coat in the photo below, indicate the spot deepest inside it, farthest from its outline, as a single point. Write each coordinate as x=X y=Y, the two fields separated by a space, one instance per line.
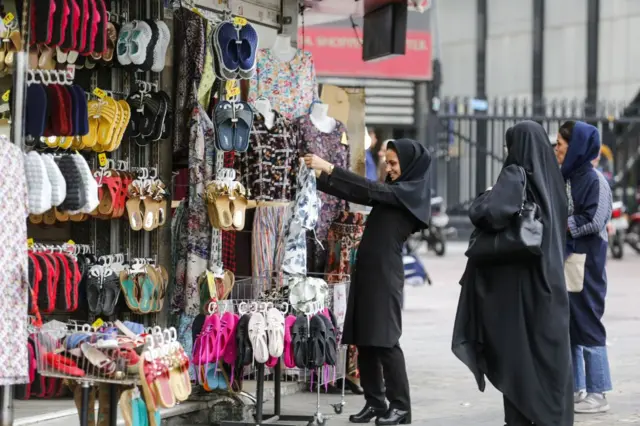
x=374 y=310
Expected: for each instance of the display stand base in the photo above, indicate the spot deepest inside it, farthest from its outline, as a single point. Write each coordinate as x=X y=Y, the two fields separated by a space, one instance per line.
x=271 y=419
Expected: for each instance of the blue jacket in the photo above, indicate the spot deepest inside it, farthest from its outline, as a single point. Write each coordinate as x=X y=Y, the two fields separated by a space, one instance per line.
x=592 y=199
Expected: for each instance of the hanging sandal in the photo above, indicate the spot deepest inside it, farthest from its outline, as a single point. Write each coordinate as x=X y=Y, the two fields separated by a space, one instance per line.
x=258 y=337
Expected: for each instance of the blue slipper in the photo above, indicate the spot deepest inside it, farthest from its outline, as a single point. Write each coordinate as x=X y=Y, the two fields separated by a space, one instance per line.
x=225 y=42
x=225 y=121
x=247 y=50
x=244 y=115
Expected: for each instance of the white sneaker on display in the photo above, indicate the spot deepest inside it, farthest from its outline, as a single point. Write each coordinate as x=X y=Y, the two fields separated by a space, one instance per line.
x=593 y=403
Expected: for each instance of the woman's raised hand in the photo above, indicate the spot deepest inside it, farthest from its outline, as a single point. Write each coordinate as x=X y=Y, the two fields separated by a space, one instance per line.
x=318 y=164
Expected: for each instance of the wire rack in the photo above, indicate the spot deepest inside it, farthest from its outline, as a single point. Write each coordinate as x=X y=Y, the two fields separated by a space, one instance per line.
x=256 y=295
x=85 y=355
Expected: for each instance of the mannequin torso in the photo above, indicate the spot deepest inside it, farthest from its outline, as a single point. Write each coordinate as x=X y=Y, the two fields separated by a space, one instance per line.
x=282 y=48
x=264 y=108
x=320 y=118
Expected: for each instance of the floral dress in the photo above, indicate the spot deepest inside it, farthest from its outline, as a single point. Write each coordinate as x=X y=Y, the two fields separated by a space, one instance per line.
x=14 y=284
x=330 y=147
x=289 y=86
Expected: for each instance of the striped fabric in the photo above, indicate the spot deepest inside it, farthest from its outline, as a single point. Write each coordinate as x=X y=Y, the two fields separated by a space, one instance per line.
x=598 y=224
x=268 y=245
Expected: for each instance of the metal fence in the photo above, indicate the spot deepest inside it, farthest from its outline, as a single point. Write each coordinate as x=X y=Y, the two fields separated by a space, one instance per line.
x=470 y=142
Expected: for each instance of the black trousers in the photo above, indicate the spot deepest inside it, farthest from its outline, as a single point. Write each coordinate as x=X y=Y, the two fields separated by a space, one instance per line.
x=512 y=416
x=383 y=373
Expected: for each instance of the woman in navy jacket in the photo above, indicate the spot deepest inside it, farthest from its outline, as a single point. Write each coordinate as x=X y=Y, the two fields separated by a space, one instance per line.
x=590 y=200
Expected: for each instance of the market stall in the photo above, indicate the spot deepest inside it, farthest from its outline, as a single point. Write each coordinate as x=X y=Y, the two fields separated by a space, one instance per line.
x=157 y=213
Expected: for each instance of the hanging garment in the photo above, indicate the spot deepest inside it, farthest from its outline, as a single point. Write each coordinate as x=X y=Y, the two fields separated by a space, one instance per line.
x=267 y=245
x=201 y=168
x=190 y=31
x=229 y=237
x=303 y=216
x=14 y=284
x=289 y=86
x=331 y=147
x=179 y=225
x=343 y=239
x=342 y=246
x=268 y=168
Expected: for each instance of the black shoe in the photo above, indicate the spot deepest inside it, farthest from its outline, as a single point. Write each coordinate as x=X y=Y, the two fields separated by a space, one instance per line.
x=395 y=417
x=367 y=414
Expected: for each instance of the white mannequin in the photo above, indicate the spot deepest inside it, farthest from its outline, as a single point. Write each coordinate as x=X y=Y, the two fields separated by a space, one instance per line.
x=320 y=118
x=282 y=48
x=264 y=107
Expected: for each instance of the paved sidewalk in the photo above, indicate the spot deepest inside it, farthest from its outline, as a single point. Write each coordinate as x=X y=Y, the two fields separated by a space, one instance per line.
x=443 y=390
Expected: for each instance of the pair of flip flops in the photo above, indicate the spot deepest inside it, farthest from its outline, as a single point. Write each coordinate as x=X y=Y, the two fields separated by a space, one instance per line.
x=108 y=122
x=56 y=110
x=76 y=27
x=142 y=45
x=145 y=289
x=103 y=290
x=313 y=341
x=151 y=116
x=235 y=48
x=233 y=121
x=55 y=278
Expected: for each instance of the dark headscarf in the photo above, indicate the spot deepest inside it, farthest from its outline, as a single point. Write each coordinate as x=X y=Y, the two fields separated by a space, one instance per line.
x=412 y=187
x=584 y=147
x=528 y=146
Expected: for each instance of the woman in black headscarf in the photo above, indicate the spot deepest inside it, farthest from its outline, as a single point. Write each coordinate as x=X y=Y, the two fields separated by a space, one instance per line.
x=373 y=322
x=512 y=324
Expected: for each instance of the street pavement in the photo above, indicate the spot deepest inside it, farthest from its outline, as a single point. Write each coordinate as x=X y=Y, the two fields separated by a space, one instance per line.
x=444 y=393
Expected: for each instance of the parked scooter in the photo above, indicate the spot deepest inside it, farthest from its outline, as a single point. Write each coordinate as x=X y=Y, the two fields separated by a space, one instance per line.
x=436 y=235
x=619 y=225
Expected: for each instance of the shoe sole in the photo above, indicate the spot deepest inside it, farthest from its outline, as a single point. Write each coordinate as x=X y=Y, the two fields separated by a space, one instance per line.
x=597 y=410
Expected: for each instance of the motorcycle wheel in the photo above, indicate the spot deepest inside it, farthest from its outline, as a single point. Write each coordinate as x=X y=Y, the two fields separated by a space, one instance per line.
x=439 y=247
x=633 y=236
x=617 y=250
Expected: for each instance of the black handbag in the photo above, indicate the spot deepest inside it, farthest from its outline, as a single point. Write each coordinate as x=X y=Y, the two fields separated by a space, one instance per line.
x=520 y=240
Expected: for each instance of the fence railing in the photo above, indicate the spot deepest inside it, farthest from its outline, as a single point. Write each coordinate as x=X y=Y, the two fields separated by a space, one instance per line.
x=470 y=141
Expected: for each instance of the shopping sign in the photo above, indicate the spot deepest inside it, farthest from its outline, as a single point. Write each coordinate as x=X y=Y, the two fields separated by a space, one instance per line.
x=337 y=52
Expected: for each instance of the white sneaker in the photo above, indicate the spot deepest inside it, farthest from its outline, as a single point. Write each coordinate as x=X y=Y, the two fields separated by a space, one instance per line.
x=593 y=403
x=579 y=396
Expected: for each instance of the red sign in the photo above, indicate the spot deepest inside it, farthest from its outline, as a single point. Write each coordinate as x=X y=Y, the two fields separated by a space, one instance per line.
x=337 y=52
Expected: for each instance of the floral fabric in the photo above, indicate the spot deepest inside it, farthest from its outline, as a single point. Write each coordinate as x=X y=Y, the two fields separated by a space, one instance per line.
x=201 y=170
x=190 y=31
x=303 y=216
x=268 y=168
x=14 y=281
x=289 y=86
x=330 y=147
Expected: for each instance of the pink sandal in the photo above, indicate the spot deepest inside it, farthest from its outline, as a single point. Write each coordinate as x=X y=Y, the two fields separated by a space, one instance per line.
x=289 y=359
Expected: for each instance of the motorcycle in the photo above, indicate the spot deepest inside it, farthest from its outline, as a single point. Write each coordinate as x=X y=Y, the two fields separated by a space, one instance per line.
x=632 y=236
x=619 y=225
x=435 y=235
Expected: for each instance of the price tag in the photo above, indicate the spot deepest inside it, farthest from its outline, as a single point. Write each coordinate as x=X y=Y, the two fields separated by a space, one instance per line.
x=239 y=21
x=8 y=18
x=97 y=323
x=5 y=96
x=344 y=140
x=99 y=93
x=102 y=160
x=232 y=88
x=71 y=243
x=30 y=243
x=233 y=92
